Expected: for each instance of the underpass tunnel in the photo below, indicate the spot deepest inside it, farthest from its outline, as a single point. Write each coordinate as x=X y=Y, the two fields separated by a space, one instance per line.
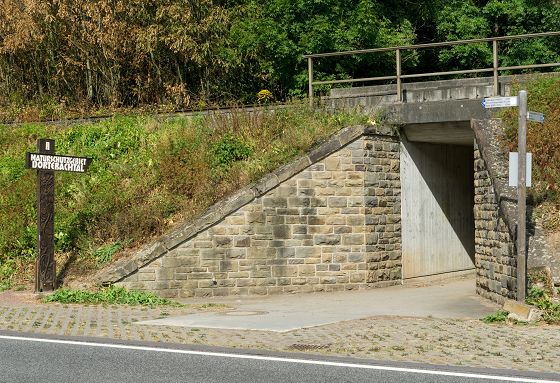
x=437 y=187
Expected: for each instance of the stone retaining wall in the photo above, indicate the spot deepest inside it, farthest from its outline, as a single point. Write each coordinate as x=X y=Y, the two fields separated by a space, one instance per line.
x=495 y=253
x=496 y=216
x=329 y=221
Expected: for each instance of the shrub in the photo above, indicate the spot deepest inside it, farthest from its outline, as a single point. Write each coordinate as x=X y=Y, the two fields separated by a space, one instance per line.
x=229 y=149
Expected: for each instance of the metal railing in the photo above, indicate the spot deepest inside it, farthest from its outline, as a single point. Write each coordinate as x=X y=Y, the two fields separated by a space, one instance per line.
x=495 y=69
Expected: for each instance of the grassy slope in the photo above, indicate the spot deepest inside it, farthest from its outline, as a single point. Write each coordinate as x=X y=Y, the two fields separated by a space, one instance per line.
x=543 y=140
x=146 y=174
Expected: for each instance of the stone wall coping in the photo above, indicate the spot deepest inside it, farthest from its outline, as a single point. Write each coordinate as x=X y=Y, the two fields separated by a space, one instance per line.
x=216 y=213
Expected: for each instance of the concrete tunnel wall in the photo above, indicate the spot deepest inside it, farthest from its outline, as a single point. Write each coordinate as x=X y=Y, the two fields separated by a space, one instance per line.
x=437 y=208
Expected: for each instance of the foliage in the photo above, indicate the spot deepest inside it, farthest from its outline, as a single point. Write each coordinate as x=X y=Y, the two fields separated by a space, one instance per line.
x=228 y=150
x=550 y=307
x=498 y=316
x=459 y=20
x=146 y=175
x=109 y=295
x=105 y=254
x=271 y=37
x=67 y=57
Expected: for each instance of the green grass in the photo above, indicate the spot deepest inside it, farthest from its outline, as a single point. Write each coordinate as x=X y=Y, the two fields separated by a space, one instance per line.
x=109 y=295
x=499 y=316
x=147 y=174
x=105 y=254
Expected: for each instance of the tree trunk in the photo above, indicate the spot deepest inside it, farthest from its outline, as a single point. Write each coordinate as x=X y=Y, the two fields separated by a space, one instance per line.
x=89 y=81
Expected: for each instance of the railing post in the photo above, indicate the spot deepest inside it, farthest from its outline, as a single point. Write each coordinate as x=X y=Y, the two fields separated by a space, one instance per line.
x=399 y=84
x=495 y=66
x=310 y=74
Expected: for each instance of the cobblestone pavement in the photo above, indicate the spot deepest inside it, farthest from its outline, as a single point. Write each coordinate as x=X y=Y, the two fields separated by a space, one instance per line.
x=427 y=340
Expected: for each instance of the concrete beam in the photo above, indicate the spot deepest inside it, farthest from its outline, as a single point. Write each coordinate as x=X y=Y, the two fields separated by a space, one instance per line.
x=437 y=112
x=451 y=133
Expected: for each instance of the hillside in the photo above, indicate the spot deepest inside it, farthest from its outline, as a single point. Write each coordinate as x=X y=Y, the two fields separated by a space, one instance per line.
x=542 y=141
x=147 y=174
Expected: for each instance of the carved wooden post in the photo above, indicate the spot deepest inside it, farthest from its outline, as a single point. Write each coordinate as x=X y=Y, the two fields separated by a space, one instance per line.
x=46 y=163
x=45 y=269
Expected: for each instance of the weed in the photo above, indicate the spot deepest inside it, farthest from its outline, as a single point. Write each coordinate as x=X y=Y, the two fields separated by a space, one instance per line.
x=229 y=149
x=105 y=254
x=111 y=295
x=499 y=316
x=540 y=299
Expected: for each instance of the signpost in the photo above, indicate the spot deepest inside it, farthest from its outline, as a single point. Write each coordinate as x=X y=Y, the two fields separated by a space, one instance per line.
x=534 y=116
x=46 y=163
x=514 y=165
x=499 y=102
x=521 y=101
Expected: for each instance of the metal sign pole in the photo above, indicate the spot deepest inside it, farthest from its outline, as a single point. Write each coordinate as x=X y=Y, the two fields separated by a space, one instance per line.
x=522 y=199
x=522 y=168
x=45 y=278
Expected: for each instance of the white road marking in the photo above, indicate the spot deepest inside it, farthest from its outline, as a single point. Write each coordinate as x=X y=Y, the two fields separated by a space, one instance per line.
x=285 y=360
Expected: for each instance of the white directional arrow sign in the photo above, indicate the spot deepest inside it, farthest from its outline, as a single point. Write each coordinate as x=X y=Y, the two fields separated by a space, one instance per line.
x=534 y=116
x=499 y=102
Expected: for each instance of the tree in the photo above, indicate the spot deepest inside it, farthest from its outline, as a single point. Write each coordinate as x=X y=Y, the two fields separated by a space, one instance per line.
x=275 y=35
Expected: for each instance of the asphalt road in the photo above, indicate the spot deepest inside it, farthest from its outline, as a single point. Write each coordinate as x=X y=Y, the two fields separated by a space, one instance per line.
x=27 y=359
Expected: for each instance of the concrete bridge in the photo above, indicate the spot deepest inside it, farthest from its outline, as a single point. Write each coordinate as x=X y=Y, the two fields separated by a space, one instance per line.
x=431 y=111
x=375 y=205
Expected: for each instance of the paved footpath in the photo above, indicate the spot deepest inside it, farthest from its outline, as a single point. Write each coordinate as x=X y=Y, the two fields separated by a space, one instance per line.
x=427 y=340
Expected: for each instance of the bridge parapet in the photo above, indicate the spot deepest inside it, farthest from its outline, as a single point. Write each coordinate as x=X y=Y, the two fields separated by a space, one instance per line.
x=431 y=111
x=398 y=77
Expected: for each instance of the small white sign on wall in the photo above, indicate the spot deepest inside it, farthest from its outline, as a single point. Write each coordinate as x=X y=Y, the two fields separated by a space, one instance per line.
x=513 y=166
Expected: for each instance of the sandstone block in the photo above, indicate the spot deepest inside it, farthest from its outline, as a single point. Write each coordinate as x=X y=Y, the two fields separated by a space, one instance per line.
x=321 y=239
x=284 y=271
x=261 y=253
x=282 y=231
x=353 y=239
x=337 y=201
x=245 y=282
x=277 y=202
x=306 y=270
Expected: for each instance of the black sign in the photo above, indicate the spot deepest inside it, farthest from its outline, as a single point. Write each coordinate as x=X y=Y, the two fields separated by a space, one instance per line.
x=41 y=161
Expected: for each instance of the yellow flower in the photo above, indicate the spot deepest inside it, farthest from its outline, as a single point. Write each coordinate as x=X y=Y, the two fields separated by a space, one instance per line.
x=264 y=95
